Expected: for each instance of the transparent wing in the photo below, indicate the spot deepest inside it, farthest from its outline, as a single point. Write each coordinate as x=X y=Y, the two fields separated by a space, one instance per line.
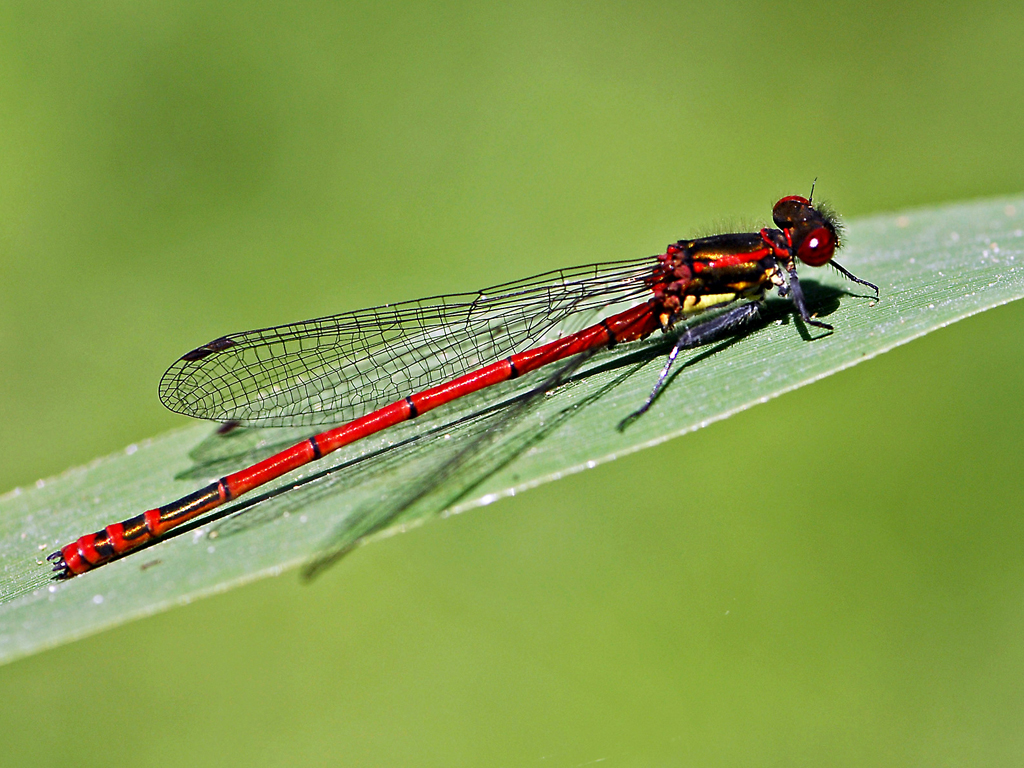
x=340 y=367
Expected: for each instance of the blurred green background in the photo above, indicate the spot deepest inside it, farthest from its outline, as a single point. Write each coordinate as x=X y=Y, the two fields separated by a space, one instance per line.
x=832 y=578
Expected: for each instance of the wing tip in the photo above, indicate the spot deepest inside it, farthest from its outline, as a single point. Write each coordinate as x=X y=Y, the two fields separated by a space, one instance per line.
x=217 y=345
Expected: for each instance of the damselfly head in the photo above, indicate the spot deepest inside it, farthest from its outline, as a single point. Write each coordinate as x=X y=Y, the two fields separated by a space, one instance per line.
x=813 y=230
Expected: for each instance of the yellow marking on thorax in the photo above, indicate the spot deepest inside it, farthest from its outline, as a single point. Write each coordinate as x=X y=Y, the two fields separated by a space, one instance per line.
x=694 y=304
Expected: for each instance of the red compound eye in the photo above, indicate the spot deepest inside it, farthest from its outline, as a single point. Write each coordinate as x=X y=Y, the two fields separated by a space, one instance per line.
x=817 y=248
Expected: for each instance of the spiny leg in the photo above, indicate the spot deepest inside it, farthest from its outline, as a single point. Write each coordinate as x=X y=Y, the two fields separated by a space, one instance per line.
x=854 y=279
x=796 y=295
x=696 y=336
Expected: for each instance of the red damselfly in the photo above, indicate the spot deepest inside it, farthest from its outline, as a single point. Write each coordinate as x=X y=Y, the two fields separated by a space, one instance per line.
x=374 y=368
